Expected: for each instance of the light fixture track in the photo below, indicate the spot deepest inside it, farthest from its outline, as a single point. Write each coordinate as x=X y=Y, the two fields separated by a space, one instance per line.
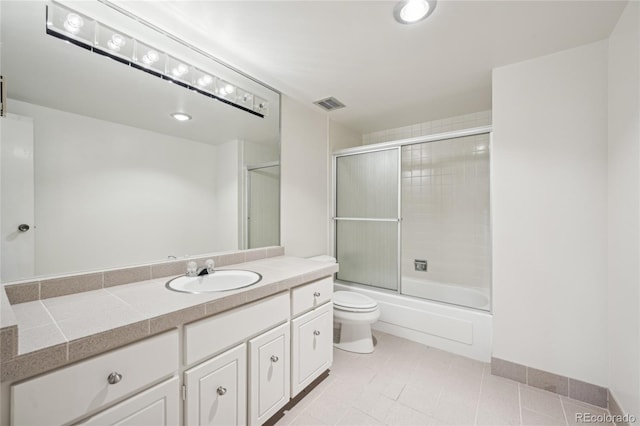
x=68 y=25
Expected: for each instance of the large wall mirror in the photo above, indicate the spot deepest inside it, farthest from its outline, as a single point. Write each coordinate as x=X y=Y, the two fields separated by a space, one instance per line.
x=96 y=173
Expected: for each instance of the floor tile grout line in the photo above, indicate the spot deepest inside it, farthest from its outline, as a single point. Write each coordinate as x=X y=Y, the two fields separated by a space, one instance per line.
x=564 y=412
x=520 y=404
x=475 y=420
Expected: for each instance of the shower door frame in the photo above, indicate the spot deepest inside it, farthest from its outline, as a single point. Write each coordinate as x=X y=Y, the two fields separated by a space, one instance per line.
x=397 y=219
x=398 y=144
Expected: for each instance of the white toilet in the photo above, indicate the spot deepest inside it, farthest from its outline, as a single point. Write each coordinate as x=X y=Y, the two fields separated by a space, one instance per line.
x=356 y=312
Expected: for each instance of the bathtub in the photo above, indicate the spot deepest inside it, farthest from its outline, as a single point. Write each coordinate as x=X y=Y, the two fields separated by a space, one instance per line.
x=471 y=297
x=452 y=328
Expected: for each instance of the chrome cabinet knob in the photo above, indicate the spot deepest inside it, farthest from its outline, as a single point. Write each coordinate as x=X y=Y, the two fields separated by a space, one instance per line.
x=221 y=390
x=316 y=294
x=23 y=227
x=274 y=358
x=114 y=378
x=316 y=332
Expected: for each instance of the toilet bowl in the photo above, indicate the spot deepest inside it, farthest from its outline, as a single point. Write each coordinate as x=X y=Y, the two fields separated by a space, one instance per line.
x=355 y=312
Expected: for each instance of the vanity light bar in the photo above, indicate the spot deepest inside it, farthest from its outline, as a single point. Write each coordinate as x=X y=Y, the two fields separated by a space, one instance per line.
x=85 y=32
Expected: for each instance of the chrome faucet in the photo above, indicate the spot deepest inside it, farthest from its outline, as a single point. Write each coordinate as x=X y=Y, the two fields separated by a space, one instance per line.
x=194 y=271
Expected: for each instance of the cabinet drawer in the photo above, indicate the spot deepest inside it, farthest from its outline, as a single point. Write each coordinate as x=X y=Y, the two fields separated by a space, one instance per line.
x=269 y=382
x=311 y=295
x=312 y=346
x=158 y=406
x=212 y=335
x=74 y=391
x=217 y=390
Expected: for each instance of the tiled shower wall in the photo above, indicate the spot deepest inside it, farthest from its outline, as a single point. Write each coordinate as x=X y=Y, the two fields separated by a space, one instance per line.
x=476 y=119
x=445 y=211
x=445 y=207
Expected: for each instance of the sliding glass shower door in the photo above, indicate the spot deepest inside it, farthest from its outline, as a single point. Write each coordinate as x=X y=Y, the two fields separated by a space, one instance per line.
x=441 y=250
x=367 y=217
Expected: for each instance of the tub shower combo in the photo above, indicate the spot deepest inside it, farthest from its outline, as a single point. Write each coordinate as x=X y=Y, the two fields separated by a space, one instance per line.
x=413 y=231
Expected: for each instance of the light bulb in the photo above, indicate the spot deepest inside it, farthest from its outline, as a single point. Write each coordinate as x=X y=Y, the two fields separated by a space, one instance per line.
x=74 y=23
x=151 y=57
x=116 y=42
x=180 y=70
x=205 y=80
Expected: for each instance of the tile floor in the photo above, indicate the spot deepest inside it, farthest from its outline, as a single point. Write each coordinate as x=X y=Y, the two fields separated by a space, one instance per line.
x=405 y=383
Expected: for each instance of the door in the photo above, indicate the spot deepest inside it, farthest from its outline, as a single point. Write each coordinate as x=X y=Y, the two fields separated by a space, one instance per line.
x=263 y=206
x=158 y=406
x=312 y=346
x=367 y=217
x=269 y=374
x=17 y=188
x=216 y=390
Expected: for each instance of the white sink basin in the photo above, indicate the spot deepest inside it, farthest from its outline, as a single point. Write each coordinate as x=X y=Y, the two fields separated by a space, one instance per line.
x=222 y=280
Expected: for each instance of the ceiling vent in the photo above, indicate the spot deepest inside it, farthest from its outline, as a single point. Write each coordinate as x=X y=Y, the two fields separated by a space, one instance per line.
x=329 y=104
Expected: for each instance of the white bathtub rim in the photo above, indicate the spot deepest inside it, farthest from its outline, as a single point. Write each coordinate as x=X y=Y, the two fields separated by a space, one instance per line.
x=384 y=292
x=456 y=289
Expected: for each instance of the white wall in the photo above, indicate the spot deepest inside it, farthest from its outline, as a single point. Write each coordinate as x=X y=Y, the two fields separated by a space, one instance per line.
x=624 y=210
x=228 y=196
x=341 y=137
x=549 y=181
x=305 y=176
x=258 y=153
x=120 y=196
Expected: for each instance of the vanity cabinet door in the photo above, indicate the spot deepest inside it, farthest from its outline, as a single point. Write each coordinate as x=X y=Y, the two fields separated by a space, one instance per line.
x=312 y=348
x=269 y=374
x=158 y=406
x=216 y=390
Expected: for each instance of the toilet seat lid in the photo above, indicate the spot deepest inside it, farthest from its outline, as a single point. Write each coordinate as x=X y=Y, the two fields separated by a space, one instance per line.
x=351 y=299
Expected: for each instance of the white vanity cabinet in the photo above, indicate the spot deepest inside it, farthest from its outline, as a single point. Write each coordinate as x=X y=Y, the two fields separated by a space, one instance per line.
x=311 y=332
x=269 y=374
x=248 y=383
x=73 y=392
x=217 y=390
x=237 y=367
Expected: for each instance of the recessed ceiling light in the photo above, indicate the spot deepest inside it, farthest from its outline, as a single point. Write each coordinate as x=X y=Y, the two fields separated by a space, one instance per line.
x=412 y=11
x=181 y=116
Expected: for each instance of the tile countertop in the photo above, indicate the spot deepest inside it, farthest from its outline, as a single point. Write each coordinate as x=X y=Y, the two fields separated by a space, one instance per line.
x=60 y=330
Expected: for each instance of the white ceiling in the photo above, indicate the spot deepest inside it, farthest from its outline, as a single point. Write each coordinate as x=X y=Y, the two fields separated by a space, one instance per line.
x=386 y=73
